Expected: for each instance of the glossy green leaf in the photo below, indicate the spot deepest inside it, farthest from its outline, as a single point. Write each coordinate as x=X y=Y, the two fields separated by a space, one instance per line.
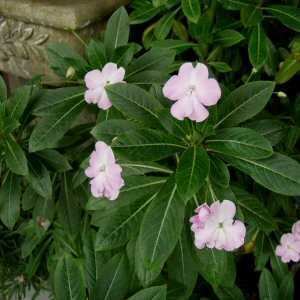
x=191 y=10
x=164 y=25
x=54 y=160
x=68 y=279
x=251 y=16
x=39 y=178
x=143 y=12
x=176 y=45
x=118 y=225
x=258 y=47
x=146 y=145
x=192 y=171
x=229 y=293
x=239 y=141
x=135 y=102
x=113 y=280
x=53 y=127
x=18 y=102
x=151 y=293
x=288 y=69
x=219 y=173
x=228 y=38
x=217 y=267
x=10 y=194
x=267 y=286
x=14 y=156
x=236 y=4
x=278 y=173
x=96 y=55
x=286 y=287
x=117 y=31
x=254 y=211
x=160 y=230
x=244 y=102
x=287 y=15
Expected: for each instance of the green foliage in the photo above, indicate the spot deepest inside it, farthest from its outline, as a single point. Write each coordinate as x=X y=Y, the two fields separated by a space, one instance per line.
x=55 y=236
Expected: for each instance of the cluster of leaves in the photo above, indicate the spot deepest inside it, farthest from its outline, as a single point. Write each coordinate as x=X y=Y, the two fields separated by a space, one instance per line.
x=140 y=246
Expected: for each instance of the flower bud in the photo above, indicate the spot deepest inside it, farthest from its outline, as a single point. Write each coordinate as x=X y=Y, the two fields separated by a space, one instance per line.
x=70 y=73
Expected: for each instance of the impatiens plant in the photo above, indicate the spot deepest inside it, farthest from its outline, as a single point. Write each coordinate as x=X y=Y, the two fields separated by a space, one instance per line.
x=177 y=184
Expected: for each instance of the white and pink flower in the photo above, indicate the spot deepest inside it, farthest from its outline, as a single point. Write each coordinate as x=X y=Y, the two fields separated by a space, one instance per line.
x=192 y=90
x=97 y=80
x=105 y=173
x=214 y=227
x=289 y=248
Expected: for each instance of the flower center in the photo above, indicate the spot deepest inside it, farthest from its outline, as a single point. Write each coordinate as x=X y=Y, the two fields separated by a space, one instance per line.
x=191 y=89
x=107 y=82
x=102 y=168
x=221 y=225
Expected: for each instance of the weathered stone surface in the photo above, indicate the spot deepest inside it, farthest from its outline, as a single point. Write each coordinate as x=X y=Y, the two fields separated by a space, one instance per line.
x=28 y=26
x=23 y=46
x=62 y=14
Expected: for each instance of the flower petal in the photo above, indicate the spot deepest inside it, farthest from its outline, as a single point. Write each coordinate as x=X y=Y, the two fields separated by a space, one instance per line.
x=93 y=96
x=208 y=92
x=93 y=79
x=200 y=113
x=181 y=109
x=227 y=211
x=173 y=89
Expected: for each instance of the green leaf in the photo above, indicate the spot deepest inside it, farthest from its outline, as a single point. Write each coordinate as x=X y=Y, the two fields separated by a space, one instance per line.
x=3 y=90
x=135 y=102
x=192 y=171
x=191 y=10
x=51 y=100
x=53 y=127
x=14 y=156
x=10 y=194
x=18 y=102
x=143 y=12
x=54 y=160
x=164 y=25
x=219 y=173
x=141 y=168
x=69 y=212
x=254 y=211
x=217 y=267
x=251 y=16
x=278 y=173
x=286 y=288
x=220 y=66
x=68 y=279
x=117 y=31
x=117 y=225
x=181 y=264
x=268 y=289
x=258 y=47
x=151 y=293
x=160 y=230
x=244 y=102
x=177 y=45
x=157 y=3
x=146 y=145
x=240 y=142
x=272 y=130
x=29 y=198
x=113 y=280
x=107 y=130
x=228 y=38
x=236 y=4
x=287 y=15
x=61 y=57
x=156 y=59
x=135 y=188
x=229 y=293
x=123 y=55
x=288 y=69
x=96 y=55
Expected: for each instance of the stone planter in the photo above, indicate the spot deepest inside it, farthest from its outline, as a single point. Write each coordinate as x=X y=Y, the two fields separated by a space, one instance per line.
x=27 y=26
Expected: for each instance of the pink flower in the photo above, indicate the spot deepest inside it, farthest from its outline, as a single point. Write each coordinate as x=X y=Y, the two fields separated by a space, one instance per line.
x=214 y=227
x=192 y=90
x=97 y=80
x=289 y=248
x=296 y=230
x=105 y=173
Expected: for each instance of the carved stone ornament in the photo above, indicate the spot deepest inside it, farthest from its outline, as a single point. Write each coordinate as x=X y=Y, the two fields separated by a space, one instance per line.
x=18 y=39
